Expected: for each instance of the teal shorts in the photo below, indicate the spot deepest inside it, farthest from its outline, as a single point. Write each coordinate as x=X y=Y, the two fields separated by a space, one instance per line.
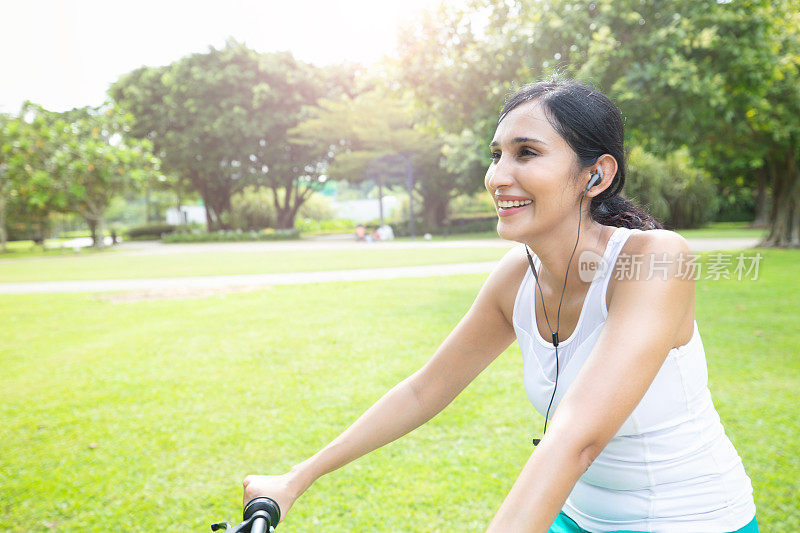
x=565 y=524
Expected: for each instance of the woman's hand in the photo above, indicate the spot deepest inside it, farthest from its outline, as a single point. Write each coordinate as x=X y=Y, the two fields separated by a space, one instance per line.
x=284 y=489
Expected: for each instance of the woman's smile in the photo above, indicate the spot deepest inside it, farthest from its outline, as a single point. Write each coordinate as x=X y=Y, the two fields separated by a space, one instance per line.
x=508 y=211
x=508 y=204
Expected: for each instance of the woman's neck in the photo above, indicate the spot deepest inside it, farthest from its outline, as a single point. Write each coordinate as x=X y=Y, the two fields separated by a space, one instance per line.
x=554 y=250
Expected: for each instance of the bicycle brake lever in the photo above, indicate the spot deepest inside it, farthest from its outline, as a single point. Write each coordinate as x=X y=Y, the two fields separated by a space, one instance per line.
x=239 y=528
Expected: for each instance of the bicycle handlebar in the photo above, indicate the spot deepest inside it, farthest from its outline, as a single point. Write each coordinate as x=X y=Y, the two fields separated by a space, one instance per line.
x=260 y=515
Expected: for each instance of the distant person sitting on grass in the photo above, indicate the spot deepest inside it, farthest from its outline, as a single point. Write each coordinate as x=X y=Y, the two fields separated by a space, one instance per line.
x=631 y=439
x=386 y=233
x=361 y=232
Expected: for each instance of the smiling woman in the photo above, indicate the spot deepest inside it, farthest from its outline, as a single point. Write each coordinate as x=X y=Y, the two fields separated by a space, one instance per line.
x=634 y=442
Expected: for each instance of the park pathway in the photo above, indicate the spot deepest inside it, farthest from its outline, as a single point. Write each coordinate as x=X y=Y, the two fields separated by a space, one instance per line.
x=291 y=278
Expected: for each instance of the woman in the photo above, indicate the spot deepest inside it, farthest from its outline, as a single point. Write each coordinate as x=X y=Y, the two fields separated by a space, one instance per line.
x=609 y=343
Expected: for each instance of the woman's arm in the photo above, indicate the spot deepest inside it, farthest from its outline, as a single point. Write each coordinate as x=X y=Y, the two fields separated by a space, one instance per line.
x=642 y=326
x=481 y=335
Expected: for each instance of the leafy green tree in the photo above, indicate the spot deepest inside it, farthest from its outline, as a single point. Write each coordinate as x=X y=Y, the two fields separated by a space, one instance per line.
x=375 y=136
x=220 y=120
x=4 y=181
x=722 y=79
x=99 y=161
x=31 y=190
x=72 y=161
x=144 y=94
x=457 y=78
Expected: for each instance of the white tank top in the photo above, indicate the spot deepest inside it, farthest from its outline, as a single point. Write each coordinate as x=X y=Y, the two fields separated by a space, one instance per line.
x=670 y=467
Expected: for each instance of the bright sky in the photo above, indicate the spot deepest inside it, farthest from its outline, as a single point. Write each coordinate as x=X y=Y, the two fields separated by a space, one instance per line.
x=65 y=54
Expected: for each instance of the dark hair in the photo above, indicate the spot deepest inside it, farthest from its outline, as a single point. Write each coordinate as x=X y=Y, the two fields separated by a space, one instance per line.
x=592 y=126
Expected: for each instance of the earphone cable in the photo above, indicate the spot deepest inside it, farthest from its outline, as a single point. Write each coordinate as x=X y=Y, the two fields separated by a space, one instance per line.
x=558 y=314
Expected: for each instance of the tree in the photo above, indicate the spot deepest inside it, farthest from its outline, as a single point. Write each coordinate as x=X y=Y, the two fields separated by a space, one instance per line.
x=99 y=161
x=722 y=79
x=374 y=136
x=456 y=77
x=30 y=189
x=4 y=180
x=220 y=121
x=77 y=160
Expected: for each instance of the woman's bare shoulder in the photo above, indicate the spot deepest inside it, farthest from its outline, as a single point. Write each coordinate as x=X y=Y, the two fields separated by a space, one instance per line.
x=657 y=262
x=656 y=241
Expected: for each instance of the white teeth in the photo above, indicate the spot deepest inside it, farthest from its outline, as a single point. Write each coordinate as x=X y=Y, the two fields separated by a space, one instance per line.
x=513 y=203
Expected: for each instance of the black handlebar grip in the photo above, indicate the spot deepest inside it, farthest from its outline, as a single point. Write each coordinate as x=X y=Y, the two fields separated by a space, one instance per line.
x=262 y=503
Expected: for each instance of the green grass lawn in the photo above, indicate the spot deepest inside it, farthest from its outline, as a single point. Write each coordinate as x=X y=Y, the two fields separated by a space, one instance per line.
x=26 y=264
x=119 y=265
x=723 y=230
x=139 y=415
x=714 y=230
x=18 y=249
x=717 y=230
x=53 y=248
x=455 y=236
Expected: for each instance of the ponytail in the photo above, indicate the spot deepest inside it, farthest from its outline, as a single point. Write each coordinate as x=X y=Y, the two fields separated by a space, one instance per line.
x=619 y=212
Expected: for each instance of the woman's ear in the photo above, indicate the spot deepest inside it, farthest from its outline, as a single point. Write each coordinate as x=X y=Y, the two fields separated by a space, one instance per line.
x=608 y=165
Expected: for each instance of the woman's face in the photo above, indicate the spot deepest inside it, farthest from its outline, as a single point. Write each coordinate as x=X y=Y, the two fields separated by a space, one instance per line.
x=535 y=167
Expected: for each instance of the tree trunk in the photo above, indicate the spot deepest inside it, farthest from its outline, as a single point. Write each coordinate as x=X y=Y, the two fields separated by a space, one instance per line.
x=194 y=179
x=224 y=208
x=3 y=234
x=286 y=213
x=784 y=225
x=41 y=226
x=147 y=202
x=285 y=218
x=100 y=242
x=762 y=204
x=215 y=212
x=209 y=220
x=434 y=211
x=93 y=228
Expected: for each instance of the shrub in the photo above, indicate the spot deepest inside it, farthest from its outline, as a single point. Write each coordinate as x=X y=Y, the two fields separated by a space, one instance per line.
x=670 y=188
x=150 y=231
x=318 y=207
x=735 y=204
x=644 y=183
x=464 y=205
x=452 y=227
x=690 y=192
x=252 y=209
x=336 y=225
x=400 y=212
x=473 y=224
x=268 y=234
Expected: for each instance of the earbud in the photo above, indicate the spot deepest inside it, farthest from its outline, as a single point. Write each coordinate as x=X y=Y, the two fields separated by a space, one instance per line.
x=595 y=179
